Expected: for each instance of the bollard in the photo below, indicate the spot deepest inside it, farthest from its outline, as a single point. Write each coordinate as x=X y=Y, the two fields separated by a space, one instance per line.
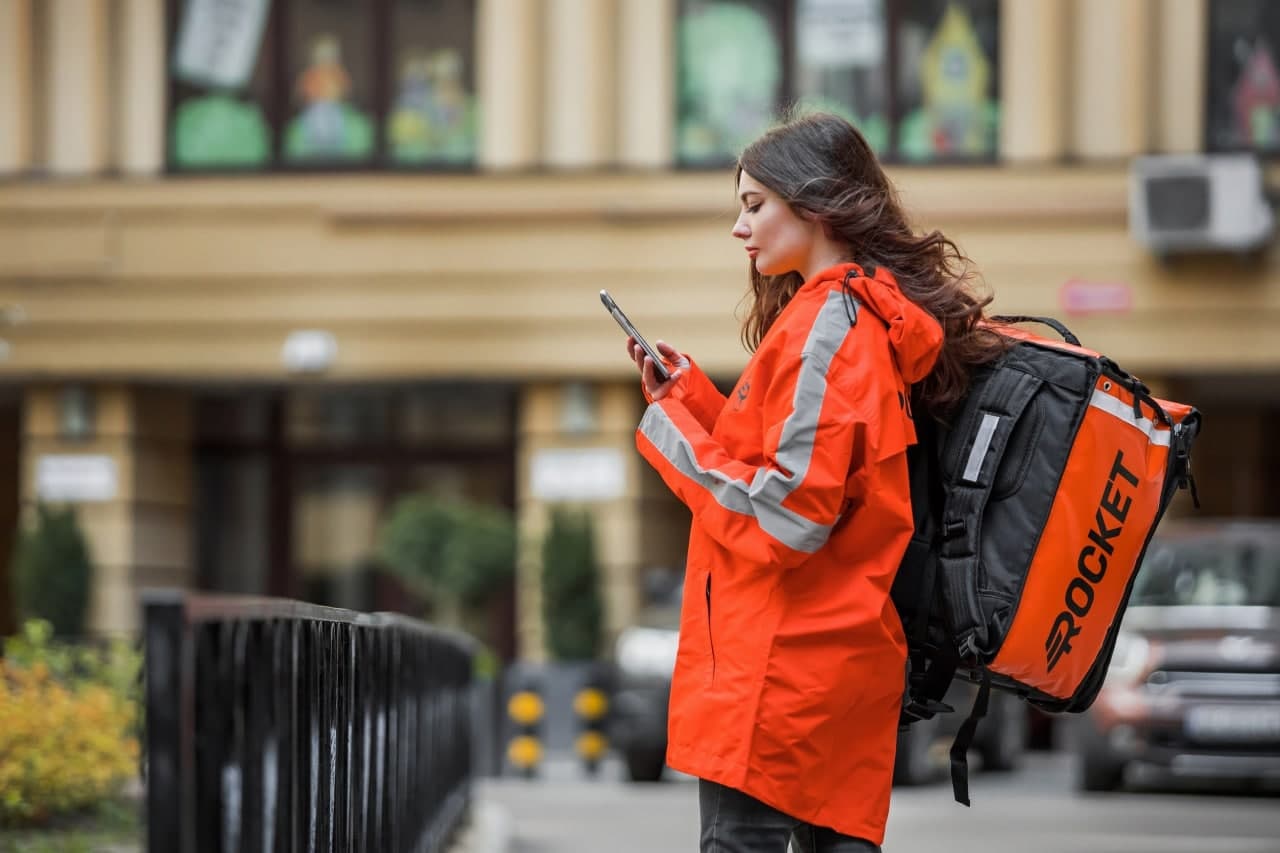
x=591 y=705
x=525 y=708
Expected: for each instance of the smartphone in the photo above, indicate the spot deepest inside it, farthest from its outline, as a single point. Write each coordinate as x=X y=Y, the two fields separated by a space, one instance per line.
x=659 y=366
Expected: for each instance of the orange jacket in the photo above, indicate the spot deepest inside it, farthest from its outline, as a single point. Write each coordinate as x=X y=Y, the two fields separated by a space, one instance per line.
x=791 y=665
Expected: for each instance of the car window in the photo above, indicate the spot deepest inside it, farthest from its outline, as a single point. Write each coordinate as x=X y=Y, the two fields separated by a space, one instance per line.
x=1175 y=574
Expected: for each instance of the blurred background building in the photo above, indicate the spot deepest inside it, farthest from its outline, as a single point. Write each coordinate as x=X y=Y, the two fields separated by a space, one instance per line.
x=266 y=265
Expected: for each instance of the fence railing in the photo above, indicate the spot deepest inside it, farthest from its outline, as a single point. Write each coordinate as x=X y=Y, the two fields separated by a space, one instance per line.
x=274 y=725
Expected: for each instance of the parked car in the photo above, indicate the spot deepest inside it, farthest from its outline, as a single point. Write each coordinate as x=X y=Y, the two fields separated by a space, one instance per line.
x=1194 y=683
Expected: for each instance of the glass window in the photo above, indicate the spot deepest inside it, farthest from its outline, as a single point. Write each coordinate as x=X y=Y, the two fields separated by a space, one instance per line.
x=257 y=84
x=1243 y=110
x=948 y=107
x=841 y=63
x=729 y=76
x=919 y=78
x=330 y=45
x=221 y=86
x=432 y=113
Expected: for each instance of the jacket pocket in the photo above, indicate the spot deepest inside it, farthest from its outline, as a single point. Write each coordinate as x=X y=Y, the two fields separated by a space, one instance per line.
x=711 y=640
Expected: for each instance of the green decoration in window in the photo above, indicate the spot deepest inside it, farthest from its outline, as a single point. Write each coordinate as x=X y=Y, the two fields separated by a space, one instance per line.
x=957 y=118
x=328 y=128
x=219 y=130
x=434 y=118
x=730 y=70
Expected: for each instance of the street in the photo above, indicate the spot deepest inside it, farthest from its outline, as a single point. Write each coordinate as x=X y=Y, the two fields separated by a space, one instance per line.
x=1035 y=809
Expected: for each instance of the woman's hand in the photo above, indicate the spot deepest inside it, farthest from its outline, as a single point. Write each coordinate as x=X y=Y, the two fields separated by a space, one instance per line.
x=676 y=363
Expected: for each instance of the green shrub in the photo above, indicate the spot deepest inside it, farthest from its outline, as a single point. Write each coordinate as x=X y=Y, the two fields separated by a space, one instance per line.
x=52 y=572
x=571 y=606
x=456 y=550
x=68 y=726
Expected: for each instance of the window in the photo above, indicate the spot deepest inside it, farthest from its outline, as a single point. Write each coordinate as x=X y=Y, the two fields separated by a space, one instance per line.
x=322 y=84
x=1243 y=103
x=917 y=77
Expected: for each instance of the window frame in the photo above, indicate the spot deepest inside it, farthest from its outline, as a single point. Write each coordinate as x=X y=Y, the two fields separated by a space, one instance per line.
x=893 y=17
x=275 y=55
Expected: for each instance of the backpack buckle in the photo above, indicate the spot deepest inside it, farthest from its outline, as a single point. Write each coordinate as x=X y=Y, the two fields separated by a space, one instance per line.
x=923 y=709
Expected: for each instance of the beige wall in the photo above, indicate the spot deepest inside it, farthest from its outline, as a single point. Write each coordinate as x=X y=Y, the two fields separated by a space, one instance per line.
x=621 y=525
x=421 y=276
x=189 y=279
x=141 y=537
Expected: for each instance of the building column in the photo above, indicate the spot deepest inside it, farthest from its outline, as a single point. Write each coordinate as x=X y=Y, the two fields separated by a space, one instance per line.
x=16 y=38
x=588 y=428
x=77 y=71
x=1182 y=66
x=1033 y=80
x=646 y=83
x=579 y=83
x=1111 y=83
x=128 y=472
x=508 y=35
x=140 y=87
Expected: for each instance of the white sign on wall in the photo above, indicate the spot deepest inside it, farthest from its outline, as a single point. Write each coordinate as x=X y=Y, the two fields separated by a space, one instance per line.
x=76 y=477
x=219 y=41
x=582 y=474
x=840 y=33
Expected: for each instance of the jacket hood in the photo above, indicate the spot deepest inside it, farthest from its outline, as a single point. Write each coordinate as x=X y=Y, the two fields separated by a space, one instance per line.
x=914 y=335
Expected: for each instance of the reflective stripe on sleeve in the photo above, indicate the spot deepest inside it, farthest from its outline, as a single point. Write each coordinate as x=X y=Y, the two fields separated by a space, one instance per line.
x=762 y=498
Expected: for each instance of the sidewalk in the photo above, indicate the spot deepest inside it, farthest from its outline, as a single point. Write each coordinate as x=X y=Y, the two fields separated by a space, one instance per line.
x=490 y=829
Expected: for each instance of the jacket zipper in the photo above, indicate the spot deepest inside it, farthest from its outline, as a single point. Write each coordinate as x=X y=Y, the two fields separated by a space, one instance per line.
x=710 y=639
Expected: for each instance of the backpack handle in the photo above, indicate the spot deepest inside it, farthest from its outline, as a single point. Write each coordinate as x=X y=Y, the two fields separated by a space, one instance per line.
x=1048 y=321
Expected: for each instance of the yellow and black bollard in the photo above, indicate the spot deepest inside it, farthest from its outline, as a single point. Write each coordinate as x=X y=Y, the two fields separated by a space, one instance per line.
x=591 y=705
x=525 y=708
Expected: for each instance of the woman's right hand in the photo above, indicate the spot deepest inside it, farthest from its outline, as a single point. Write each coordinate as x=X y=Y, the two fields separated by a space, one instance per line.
x=677 y=364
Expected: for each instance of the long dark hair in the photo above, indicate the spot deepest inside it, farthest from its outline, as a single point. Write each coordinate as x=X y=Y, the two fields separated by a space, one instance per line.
x=823 y=168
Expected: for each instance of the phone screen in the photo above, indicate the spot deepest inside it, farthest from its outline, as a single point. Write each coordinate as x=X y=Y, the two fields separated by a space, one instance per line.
x=659 y=367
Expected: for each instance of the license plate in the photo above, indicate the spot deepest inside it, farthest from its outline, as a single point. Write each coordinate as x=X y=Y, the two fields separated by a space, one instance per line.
x=1228 y=723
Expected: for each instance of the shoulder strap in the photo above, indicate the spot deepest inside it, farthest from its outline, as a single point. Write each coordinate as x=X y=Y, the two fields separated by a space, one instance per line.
x=929 y=671
x=972 y=455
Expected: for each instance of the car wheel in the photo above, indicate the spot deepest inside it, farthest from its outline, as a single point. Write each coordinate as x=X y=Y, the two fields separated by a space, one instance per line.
x=1100 y=774
x=1098 y=768
x=645 y=765
x=914 y=764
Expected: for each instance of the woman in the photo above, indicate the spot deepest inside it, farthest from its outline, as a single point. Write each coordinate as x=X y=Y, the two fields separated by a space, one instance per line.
x=791 y=666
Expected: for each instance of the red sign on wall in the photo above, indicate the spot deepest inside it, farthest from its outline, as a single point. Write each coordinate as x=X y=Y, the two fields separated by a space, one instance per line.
x=1078 y=296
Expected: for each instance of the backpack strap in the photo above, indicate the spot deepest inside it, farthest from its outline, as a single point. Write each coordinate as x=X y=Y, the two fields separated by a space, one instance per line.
x=1010 y=319
x=973 y=453
x=916 y=582
x=964 y=739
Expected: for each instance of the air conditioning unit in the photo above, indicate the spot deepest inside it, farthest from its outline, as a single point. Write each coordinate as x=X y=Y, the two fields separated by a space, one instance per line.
x=1199 y=202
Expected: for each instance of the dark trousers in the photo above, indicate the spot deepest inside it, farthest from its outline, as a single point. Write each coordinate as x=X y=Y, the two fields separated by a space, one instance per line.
x=733 y=822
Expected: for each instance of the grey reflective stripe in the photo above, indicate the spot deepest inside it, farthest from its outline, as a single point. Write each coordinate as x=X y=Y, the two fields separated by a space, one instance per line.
x=762 y=498
x=986 y=430
x=1122 y=410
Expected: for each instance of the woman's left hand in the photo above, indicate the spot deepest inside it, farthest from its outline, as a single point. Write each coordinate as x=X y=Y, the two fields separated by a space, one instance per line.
x=676 y=365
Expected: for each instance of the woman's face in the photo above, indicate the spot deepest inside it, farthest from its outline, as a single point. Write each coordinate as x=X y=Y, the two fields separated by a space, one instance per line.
x=776 y=239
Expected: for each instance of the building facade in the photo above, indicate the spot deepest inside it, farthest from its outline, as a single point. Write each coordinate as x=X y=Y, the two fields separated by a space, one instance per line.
x=266 y=265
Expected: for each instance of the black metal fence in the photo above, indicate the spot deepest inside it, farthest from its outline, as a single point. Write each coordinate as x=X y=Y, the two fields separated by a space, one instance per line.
x=274 y=725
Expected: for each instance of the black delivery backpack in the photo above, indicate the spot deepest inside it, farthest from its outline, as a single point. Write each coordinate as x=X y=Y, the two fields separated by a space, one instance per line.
x=1033 y=508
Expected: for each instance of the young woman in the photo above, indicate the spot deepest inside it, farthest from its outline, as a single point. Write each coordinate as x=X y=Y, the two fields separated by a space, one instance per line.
x=791 y=666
